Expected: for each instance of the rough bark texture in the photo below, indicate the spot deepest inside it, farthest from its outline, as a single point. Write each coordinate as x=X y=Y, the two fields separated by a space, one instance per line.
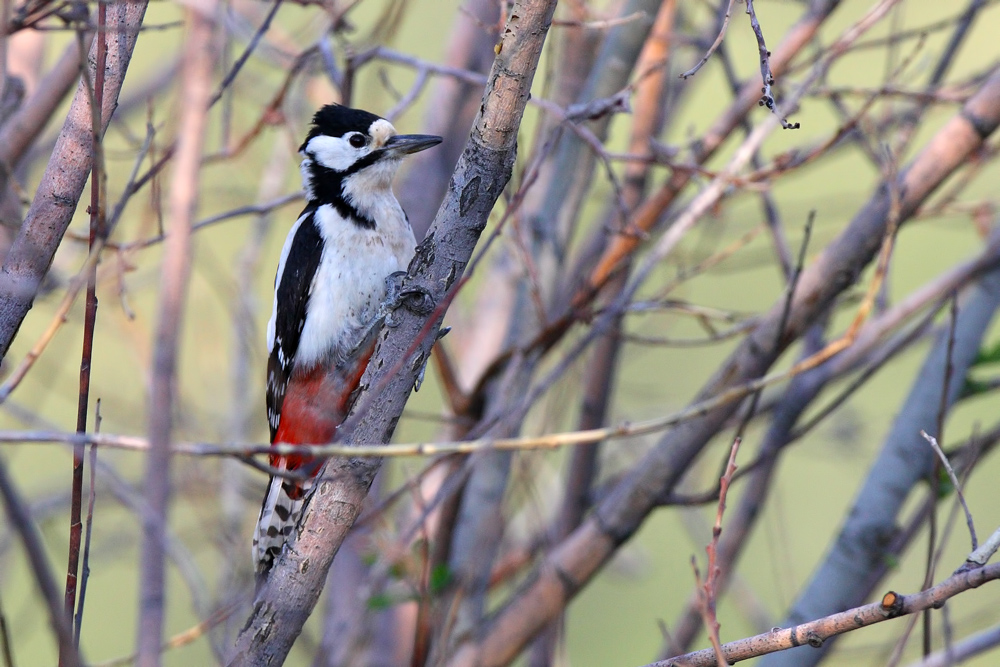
x=482 y=173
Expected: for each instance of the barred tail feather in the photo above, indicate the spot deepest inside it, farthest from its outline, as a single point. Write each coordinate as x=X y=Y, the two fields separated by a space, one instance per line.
x=314 y=404
x=279 y=517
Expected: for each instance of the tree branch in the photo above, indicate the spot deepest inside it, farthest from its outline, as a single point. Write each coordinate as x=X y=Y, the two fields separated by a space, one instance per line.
x=482 y=173
x=197 y=67
x=815 y=633
x=62 y=184
x=570 y=565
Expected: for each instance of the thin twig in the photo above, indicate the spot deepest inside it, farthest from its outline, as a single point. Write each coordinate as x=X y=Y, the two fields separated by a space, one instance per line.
x=98 y=192
x=85 y=568
x=766 y=76
x=245 y=56
x=708 y=589
x=715 y=44
x=958 y=486
x=20 y=518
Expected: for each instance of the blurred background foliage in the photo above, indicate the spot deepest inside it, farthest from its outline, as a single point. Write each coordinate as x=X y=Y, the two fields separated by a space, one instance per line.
x=617 y=619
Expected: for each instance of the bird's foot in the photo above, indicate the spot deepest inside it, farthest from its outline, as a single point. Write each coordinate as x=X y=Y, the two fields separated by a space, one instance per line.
x=417 y=300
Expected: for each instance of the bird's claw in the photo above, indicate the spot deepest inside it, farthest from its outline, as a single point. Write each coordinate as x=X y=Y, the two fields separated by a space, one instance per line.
x=422 y=360
x=393 y=288
x=417 y=300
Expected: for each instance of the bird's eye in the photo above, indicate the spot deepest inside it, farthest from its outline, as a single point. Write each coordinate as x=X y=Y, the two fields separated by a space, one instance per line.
x=358 y=140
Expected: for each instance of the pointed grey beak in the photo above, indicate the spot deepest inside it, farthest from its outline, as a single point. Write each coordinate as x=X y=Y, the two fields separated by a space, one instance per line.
x=406 y=144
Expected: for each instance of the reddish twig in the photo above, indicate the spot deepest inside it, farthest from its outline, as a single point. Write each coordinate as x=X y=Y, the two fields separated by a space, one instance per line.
x=97 y=225
x=707 y=589
x=85 y=568
x=20 y=518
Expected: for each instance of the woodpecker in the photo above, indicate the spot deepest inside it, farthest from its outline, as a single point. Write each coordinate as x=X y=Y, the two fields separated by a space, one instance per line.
x=331 y=280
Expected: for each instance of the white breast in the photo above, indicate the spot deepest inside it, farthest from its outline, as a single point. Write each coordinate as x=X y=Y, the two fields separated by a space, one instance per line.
x=350 y=282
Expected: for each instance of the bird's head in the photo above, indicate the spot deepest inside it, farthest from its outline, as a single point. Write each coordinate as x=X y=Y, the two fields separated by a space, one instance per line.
x=353 y=153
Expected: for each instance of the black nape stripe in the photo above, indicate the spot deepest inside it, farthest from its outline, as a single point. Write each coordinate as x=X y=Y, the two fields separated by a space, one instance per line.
x=328 y=188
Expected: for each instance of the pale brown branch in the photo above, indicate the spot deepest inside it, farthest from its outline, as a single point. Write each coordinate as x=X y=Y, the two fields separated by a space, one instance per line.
x=56 y=198
x=197 y=67
x=815 y=633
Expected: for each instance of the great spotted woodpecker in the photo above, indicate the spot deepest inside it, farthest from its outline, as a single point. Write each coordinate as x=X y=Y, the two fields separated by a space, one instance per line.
x=331 y=280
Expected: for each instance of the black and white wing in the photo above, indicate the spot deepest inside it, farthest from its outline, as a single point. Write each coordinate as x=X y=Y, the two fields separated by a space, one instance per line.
x=300 y=259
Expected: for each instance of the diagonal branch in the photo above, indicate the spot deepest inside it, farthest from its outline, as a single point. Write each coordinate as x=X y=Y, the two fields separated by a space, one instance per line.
x=815 y=633
x=482 y=173
x=577 y=559
x=62 y=184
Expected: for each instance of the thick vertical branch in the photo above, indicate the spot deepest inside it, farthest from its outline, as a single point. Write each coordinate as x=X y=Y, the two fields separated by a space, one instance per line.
x=62 y=184
x=198 y=64
x=482 y=173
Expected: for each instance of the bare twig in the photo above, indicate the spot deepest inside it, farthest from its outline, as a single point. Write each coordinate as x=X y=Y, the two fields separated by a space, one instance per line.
x=932 y=441
x=708 y=589
x=815 y=633
x=92 y=498
x=20 y=518
x=97 y=227
x=715 y=44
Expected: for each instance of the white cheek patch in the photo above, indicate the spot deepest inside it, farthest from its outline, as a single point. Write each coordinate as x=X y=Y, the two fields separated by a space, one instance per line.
x=380 y=132
x=333 y=152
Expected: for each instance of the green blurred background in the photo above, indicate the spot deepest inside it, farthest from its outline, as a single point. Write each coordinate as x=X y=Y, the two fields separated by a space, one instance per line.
x=615 y=621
